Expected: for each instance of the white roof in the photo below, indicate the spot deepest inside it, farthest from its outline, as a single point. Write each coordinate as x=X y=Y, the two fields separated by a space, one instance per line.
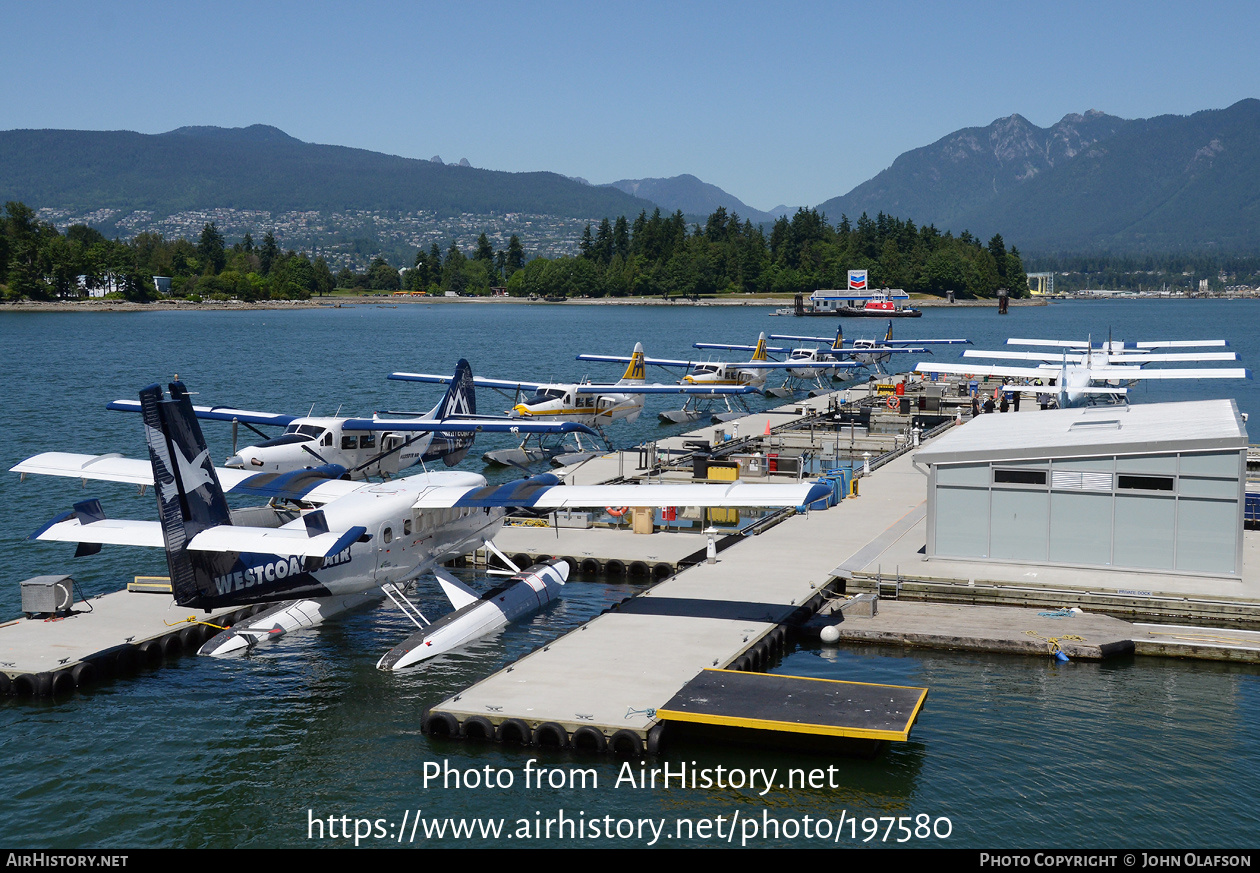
x=1146 y=428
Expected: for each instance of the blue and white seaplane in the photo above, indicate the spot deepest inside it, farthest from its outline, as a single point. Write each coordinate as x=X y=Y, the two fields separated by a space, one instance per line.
x=323 y=544
x=1081 y=374
x=381 y=446
x=802 y=365
x=579 y=403
x=723 y=374
x=871 y=352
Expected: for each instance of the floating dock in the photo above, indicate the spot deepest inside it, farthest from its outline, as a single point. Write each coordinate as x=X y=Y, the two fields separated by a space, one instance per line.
x=605 y=685
x=613 y=683
x=764 y=709
x=98 y=639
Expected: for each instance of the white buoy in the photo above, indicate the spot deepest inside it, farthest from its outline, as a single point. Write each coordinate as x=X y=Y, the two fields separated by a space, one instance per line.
x=830 y=634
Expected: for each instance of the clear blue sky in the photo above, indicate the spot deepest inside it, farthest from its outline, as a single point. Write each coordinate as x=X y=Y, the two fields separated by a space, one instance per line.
x=786 y=102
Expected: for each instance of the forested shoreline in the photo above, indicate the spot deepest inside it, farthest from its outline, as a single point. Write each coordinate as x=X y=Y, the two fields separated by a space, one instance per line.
x=654 y=255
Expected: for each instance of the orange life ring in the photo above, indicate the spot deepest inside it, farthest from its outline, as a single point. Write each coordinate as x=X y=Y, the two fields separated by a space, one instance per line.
x=892 y=401
x=616 y=511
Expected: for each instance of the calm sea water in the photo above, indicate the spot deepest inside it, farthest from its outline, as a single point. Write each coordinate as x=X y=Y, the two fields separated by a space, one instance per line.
x=1013 y=752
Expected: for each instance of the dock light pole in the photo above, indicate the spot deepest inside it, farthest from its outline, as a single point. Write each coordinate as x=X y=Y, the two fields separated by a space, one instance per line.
x=866 y=463
x=710 y=550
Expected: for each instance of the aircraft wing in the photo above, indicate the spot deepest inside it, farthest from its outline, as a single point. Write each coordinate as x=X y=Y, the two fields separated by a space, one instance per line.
x=625 y=359
x=1182 y=344
x=546 y=492
x=800 y=339
x=80 y=527
x=587 y=388
x=318 y=486
x=470 y=424
x=217 y=413
x=975 y=370
x=795 y=365
x=771 y=349
x=1112 y=358
x=108 y=468
x=1109 y=373
x=499 y=384
x=110 y=532
x=925 y=342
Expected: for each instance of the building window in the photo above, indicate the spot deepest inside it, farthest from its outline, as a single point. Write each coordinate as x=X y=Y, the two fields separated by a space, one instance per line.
x=1144 y=483
x=1019 y=477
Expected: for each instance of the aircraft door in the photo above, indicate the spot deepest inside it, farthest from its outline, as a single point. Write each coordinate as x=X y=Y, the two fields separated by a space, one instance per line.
x=391 y=446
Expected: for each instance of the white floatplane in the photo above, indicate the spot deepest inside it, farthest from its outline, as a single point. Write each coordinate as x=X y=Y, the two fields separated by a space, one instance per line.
x=871 y=352
x=1081 y=374
x=381 y=446
x=325 y=545
x=585 y=403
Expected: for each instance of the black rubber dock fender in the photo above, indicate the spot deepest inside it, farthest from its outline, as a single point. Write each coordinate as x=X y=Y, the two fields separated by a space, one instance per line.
x=476 y=727
x=626 y=743
x=62 y=683
x=656 y=738
x=550 y=735
x=614 y=567
x=83 y=674
x=514 y=731
x=589 y=738
x=151 y=652
x=172 y=647
x=32 y=684
x=440 y=724
x=637 y=570
x=590 y=566
x=662 y=571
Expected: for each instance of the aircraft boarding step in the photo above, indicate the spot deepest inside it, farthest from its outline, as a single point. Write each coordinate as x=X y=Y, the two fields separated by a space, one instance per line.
x=409 y=609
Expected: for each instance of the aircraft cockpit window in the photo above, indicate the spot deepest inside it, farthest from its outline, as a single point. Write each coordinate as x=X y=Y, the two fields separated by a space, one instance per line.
x=387 y=535
x=307 y=431
x=407 y=527
x=327 y=438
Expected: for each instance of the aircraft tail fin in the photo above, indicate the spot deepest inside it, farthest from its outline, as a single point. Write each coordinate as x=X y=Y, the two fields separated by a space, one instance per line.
x=759 y=353
x=190 y=498
x=461 y=397
x=839 y=341
x=460 y=400
x=888 y=333
x=634 y=370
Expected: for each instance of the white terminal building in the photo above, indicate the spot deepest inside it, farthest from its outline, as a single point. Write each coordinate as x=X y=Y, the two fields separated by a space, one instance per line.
x=1157 y=487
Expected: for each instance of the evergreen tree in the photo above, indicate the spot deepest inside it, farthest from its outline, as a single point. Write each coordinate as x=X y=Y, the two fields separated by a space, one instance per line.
x=267 y=254
x=211 y=250
x=515 y=256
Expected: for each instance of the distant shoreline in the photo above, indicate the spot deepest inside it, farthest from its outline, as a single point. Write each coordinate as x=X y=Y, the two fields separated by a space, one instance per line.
x=97 y=305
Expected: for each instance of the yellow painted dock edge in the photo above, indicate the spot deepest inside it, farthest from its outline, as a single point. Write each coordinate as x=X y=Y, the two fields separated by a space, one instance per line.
x=798 y=728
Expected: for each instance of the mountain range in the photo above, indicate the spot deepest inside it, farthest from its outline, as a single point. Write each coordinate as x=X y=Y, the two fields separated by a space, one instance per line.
x=263 y=168
x=696 y=199
x=1090 y=183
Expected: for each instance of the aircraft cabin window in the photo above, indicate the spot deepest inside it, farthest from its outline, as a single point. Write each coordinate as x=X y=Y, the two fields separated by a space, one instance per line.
x=407 y=528
x=349 y=442
x=367 y=441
